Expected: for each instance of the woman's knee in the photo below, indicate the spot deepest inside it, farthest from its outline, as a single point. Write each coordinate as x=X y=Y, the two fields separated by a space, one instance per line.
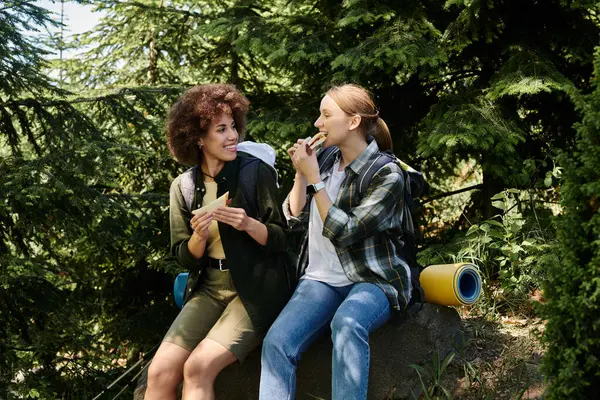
x=273 y=335
x=344 y=325
x=163 y=374
x=195 y=367
x=276 y=342
x=200 y=368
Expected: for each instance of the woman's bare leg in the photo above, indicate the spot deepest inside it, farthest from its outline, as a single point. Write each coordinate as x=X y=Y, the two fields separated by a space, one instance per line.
x=202 y=367
x=166 y=372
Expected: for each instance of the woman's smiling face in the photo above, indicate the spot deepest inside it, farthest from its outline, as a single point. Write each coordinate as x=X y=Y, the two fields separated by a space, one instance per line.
x=334 y=121
x=220 y=141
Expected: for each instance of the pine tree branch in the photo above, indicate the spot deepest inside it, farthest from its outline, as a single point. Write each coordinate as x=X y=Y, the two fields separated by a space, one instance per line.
x=151 y=7
x=23 y=349
x=456 y=76
x=35 y=102
x=452 y=193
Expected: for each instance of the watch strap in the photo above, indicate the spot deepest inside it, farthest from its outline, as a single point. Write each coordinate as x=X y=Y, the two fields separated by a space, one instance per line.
x=313 y=188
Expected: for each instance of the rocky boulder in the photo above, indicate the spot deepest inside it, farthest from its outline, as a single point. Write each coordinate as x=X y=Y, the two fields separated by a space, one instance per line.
x=393 y=347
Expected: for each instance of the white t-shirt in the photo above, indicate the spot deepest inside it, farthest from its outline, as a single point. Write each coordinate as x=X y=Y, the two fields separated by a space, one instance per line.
x=323 y=262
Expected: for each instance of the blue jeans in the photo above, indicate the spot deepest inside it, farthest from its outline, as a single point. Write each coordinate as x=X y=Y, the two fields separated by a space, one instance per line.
x=353 y=312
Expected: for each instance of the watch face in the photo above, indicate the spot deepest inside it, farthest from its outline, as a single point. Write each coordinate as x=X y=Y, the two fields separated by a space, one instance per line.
x=314 y=188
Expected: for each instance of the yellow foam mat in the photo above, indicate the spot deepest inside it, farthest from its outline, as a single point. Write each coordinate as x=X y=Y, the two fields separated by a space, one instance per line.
x=451 y=284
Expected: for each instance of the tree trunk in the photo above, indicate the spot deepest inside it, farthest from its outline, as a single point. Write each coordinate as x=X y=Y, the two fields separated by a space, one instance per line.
x=153 y=56
x=491 y=186
x=152 y=60
x=235 y=59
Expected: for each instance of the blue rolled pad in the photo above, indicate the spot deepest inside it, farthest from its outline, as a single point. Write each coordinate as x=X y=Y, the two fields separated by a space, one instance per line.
x=179 y=288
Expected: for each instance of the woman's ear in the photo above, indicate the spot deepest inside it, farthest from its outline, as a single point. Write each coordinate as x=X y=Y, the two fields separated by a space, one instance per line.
x=355 y=122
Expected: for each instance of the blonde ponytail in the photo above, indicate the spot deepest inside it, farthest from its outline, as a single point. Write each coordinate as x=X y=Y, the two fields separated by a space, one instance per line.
x=382 y=135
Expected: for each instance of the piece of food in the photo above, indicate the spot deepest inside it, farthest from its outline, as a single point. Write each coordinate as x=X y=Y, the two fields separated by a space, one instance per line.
x=317 y=140
x=220 y=202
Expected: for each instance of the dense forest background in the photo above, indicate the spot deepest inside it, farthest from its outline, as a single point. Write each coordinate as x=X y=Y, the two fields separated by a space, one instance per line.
x=496 y=102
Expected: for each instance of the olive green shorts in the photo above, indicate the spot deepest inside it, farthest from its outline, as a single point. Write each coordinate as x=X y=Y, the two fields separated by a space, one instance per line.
x=215 y=311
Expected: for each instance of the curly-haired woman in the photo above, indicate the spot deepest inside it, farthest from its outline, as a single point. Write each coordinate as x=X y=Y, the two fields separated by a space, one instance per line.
x=235 y=289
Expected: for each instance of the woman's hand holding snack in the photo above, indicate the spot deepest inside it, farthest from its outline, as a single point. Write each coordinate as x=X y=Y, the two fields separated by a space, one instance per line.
x=305 y=161
x=236 y=217
x=299 y=177
x=292 y=150
x=200 y=224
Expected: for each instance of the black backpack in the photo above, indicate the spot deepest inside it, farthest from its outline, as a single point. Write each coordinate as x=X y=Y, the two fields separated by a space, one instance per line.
x=414 y=186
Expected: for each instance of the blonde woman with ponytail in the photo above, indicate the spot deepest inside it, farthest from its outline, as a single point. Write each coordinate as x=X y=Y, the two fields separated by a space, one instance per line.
x=353 y=275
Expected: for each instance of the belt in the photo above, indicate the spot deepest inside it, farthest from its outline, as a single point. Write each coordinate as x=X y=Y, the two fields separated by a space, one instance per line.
x=217 y=264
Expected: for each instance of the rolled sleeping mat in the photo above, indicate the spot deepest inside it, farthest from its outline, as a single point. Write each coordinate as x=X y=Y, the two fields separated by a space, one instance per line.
x=179 y=288
x=451 y=284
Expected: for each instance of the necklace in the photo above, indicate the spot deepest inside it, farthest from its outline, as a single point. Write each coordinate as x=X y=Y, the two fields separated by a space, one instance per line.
x=205 y=174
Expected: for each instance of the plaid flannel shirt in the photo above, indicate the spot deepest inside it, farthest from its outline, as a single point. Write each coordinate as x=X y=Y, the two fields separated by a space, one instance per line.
x=365 y=231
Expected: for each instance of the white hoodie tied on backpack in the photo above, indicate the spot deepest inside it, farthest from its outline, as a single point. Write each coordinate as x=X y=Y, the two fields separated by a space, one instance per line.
x=259 y=150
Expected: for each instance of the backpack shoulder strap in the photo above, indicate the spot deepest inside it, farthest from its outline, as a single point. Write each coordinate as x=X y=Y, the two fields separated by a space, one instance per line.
x=247 y=181
x=326 y=157
x=188 y=187
x=366 y=175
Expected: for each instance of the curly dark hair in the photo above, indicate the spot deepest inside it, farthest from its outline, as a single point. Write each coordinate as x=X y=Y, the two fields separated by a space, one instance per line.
x=190 y=117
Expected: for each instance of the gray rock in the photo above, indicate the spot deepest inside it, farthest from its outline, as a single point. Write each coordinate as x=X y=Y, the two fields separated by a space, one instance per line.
x=393 y=348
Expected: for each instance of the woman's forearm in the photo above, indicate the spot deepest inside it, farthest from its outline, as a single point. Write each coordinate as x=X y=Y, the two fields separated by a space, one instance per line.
x=257 y=231
x=324 y=203
x=196 y=245
x=297 y=197
x=322 y=199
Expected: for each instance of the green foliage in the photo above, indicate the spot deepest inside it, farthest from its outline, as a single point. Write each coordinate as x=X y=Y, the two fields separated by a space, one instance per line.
x=431 y=377
x=512 y=250
x=82 y=221
x=528 y=73
x=473 y=128
x=394 y=42
x=572 y=333
x=146 y=42
x=502 y=86
x=21 y=59
x=80 y=226
x=84 y=168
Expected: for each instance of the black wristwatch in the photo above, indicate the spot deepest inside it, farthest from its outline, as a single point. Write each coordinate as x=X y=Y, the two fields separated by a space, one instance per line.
x=313 y=188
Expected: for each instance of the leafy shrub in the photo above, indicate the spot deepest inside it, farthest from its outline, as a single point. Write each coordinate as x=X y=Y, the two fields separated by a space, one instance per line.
x=513 y=250
x=572 y=334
